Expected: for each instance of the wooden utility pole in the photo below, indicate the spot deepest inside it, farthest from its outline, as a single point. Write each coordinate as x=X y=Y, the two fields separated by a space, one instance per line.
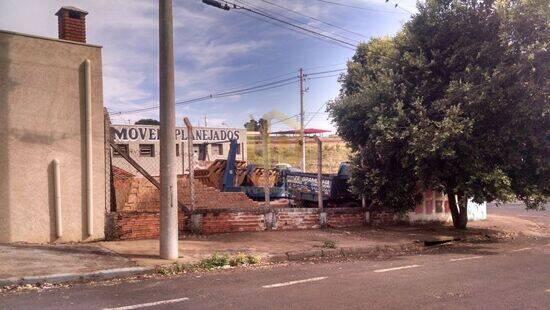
x=168 y=169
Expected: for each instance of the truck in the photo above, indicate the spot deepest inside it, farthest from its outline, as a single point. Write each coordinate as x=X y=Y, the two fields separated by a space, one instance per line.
x=302 y=187
x=286 y=182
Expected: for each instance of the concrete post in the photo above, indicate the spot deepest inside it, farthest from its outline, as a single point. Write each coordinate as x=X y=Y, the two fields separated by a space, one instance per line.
x=190 y=155
x=265 y=146
x=168 y=168
x=302 y=134
x=319 y=173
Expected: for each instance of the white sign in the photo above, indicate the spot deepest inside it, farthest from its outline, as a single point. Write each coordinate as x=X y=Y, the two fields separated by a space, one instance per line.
x=151 y=133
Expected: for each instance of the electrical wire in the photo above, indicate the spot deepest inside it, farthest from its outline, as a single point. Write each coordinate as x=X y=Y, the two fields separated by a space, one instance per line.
x=322 y=77
x=291 y=19
x=318 y=110
x=358 y=7
x=345 y=43
x=323 y=72
x=314 y=18
x=241 y=91
x=263 y=87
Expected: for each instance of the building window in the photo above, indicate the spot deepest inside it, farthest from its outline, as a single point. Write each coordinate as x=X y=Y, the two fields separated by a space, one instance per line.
x=147 y=150
x=217 y=149
x=123 y=148
x=178 y=149
x=239 y=149
x=200 y=151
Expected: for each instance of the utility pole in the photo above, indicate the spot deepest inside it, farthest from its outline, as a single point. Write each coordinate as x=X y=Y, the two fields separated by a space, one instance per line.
x=302 y=135
x=168 y=169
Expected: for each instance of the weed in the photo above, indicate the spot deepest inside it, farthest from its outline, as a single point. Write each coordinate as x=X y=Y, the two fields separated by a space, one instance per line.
x=329 y=244
x=214 y=261
x=251 y=259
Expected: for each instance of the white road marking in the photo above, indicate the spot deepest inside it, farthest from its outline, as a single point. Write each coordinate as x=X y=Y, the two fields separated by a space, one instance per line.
x=294 y=282
x=397 y=268
x=522 y=249
x=150 y=304
x=548 y=290
x=464 y=258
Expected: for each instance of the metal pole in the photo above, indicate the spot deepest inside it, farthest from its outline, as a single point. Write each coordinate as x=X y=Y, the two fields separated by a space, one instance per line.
x=191 y=161
x=319 y=172
x=302 y=135
x=168 y=168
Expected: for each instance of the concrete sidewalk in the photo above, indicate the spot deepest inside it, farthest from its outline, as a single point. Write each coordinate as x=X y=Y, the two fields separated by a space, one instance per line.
x=23 y=263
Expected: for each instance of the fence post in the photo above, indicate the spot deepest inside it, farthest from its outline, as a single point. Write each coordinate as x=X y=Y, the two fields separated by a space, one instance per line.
x=265 y=145
x=319 y=172
x=191 y=161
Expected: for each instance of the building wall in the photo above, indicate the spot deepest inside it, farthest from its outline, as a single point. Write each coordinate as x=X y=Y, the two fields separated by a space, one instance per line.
x=42 y=113
x=134 y=135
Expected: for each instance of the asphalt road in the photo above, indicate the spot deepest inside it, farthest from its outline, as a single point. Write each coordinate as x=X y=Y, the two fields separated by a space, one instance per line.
x=511 y=275
x=518 y=210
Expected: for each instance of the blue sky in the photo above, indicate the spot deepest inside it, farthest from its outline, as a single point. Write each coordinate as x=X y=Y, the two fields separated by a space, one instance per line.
x=215 y=50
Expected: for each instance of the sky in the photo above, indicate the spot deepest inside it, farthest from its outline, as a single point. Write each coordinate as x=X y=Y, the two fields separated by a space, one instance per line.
x=217 y=50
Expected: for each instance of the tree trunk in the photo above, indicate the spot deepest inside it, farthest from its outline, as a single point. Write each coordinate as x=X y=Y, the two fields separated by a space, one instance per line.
x=459 y=210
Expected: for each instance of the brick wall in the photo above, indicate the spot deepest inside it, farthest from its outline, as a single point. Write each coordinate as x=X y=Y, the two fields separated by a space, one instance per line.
x=345 y=218
x=136 y=194
x=141 y=225
x=223 y=222
x=296 y=218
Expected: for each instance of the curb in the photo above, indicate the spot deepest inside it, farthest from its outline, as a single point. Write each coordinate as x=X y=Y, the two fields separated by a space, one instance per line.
x=342 y=252
x=77 y=277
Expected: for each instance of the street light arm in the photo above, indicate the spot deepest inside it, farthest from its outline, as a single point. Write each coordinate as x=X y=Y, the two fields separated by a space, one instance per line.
x=217 y=4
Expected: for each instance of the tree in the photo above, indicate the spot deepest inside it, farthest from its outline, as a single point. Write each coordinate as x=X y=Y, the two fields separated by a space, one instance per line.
x=147 y=121
x=457 y=101
x=255 y=125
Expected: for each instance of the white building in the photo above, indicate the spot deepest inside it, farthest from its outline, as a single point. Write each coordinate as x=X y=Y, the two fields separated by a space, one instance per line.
x=142 y=143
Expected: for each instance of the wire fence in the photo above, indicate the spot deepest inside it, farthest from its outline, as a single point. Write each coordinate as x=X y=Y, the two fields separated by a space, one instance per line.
x=287 y=151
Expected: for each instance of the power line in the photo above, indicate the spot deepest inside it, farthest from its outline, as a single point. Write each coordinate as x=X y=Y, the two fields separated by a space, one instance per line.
x=318 y=34
x=288 y=28
x=263 y=87
x=318 y=110
x=288 y=18
x=358 y=7
x=241 y=91
x=314 y=18
x=323 y=77
x=399 y=7
x=323 y=72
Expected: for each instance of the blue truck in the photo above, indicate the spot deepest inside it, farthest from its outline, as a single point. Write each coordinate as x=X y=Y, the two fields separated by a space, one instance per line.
x=301 y=187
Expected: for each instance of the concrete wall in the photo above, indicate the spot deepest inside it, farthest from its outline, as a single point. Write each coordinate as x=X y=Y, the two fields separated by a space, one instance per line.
x=42 y=112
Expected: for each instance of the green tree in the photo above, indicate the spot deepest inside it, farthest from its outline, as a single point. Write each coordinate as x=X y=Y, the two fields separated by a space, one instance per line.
x=255 y=125
x=147 y=121
x=457 y=101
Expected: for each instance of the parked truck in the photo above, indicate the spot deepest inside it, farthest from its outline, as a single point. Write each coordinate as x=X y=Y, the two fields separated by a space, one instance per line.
x=303 y=187
x=286 y=182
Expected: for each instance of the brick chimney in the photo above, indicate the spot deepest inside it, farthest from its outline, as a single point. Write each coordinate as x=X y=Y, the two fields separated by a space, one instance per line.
x=72 y=24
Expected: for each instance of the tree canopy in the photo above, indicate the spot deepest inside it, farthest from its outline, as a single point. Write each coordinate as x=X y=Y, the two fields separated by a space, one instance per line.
x=457 y=101
x=147 y=121
x=255 y=125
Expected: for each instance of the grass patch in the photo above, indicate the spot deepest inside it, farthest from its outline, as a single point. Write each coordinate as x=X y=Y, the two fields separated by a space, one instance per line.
x=329 y=244
x=215 y=261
